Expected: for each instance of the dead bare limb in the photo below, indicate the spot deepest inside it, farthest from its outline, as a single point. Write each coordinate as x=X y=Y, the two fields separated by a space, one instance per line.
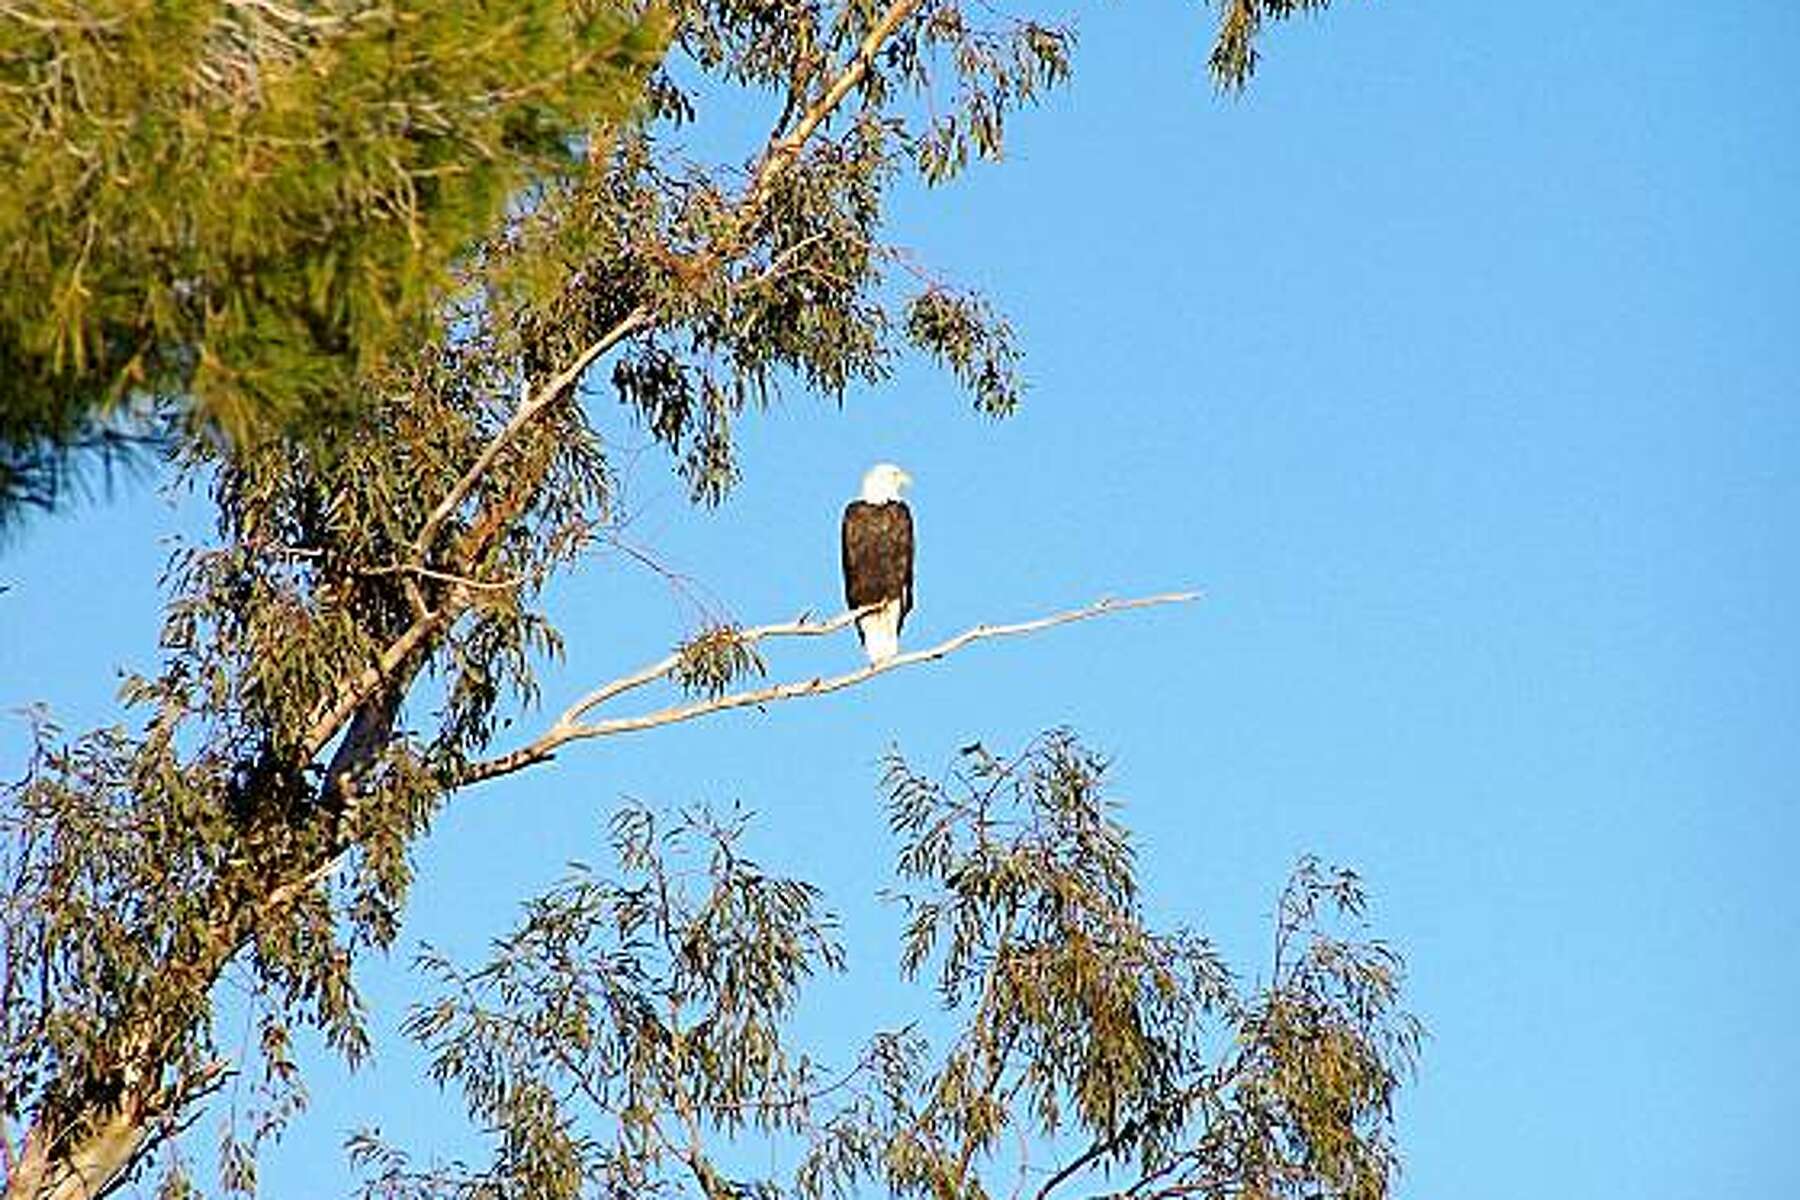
x=570 y=726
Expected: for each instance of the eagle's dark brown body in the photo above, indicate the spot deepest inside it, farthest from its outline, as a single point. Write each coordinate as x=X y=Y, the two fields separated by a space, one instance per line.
x=878 y=557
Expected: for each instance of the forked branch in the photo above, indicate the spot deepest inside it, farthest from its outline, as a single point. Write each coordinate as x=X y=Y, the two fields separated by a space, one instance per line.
x=573 y=726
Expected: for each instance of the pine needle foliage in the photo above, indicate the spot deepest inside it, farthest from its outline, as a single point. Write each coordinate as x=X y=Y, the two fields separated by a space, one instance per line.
x=288 y=218
x=635 y=1036
x=222 y=212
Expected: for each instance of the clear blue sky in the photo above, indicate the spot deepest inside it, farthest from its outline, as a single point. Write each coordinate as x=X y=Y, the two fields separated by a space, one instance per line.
x=1459 y=363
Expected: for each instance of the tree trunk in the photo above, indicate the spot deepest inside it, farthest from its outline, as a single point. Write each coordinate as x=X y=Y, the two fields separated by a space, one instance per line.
x=87 y=1168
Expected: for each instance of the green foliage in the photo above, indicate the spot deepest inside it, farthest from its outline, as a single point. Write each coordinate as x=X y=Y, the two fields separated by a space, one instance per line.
x=417 y=226
x=712 y=660
x=242 y=208
x=117 y=865
x=962 y=333
x=628 y=1030
x=1234 y=53
x=663 y=992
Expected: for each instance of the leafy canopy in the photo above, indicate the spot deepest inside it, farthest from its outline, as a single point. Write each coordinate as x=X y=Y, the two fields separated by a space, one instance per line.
x=221 y=213
x=340 y=657
x=634 y=1036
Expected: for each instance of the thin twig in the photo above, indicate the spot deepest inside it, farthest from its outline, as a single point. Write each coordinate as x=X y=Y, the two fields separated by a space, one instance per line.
x=570 y=727
x=497 y=585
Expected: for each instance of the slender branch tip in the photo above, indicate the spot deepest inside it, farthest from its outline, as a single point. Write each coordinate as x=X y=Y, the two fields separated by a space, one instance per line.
x=571 y=726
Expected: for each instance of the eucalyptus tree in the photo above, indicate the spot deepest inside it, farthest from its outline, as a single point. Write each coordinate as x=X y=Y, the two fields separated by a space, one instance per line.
x=260 y=811
x=633 y=1032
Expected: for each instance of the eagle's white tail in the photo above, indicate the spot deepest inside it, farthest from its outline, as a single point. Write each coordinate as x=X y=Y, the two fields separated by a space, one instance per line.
x=880 y=632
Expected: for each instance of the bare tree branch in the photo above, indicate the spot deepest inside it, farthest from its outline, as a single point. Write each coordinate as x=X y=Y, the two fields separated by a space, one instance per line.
x=479 y=585
x=330 y=717
x=570 y=726
x=783 y=151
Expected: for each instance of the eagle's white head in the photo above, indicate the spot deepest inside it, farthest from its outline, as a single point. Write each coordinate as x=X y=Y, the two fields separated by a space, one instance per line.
x=882 y=483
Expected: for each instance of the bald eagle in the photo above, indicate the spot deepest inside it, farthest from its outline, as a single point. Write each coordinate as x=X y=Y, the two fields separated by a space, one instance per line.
x=878 y=559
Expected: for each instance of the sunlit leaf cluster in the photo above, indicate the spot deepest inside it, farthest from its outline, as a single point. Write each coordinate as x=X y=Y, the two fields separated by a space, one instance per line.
x=240 y=207
x=712 y=660
x=1234 y=54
